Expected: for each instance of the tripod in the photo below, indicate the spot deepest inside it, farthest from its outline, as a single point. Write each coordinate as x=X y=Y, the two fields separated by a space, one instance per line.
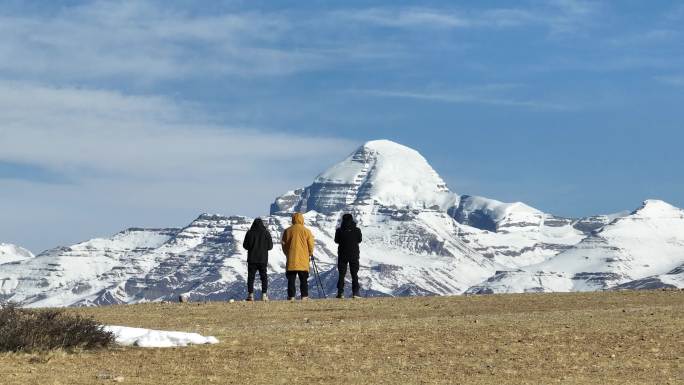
x=318 y=277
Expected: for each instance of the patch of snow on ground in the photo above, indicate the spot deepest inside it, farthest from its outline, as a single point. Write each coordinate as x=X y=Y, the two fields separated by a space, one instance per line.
x=147 y=338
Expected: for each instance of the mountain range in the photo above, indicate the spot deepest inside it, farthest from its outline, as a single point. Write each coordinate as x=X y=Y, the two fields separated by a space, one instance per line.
x=420 y=238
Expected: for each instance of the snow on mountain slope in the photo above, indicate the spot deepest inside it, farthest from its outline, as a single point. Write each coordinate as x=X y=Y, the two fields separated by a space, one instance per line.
x=521 y=281
x=192 y=261
x=648 y=242
x=671 y=279
x=589 y=224
x=513 y=234
x=492 y=215
x=402 y=256
x=58 y=276
x=12 y=253
x=419 y=250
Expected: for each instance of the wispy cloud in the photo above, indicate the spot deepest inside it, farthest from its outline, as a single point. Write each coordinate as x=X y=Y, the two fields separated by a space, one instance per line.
x=608 y=62
x=672 y=80
x=71 y=129
x=559 y=16
x=129 y=154
x=405 y=17
x=29 y=172
x=147 y=40
x=653 y=36
x=487 y=94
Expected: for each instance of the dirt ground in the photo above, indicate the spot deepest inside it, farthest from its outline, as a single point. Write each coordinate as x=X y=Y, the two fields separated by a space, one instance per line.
x=593 y=338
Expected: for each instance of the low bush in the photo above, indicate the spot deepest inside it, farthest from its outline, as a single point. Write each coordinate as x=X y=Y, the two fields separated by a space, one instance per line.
x=41 y=330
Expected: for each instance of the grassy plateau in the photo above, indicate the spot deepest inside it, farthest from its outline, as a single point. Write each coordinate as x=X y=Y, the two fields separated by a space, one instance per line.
x=587 y=338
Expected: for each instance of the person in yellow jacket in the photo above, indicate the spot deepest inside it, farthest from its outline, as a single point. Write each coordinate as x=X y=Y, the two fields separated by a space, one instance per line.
x=298 y=246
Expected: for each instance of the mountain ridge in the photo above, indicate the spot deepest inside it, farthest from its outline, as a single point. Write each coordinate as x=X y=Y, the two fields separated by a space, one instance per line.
x=420 y=238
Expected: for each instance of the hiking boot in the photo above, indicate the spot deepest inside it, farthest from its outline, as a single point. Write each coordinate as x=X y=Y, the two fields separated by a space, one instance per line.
x=250 y=297
x=356 y=295
x=305 y=298
x=264 y=297
x=291 y=299
x=340 y=294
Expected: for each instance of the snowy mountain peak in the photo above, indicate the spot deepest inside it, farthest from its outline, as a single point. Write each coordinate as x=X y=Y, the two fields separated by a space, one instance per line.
x=379 y=172
x=653 y=208
x=492 y=215
x=12 y=253
x=387 y=146
x=496 y=210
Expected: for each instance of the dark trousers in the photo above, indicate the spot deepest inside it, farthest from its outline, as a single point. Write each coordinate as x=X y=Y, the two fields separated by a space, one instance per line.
x=353 y=269
x=252 y=268
x=303 y=283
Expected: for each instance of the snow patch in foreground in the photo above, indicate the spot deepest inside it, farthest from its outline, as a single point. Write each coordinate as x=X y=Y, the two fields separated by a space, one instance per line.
x=147 y=338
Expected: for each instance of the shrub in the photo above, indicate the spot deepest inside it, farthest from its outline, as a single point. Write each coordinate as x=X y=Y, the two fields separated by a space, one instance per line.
x=40 y=330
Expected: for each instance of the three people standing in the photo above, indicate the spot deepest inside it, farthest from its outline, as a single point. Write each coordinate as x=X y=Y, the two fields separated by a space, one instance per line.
x=298 y=245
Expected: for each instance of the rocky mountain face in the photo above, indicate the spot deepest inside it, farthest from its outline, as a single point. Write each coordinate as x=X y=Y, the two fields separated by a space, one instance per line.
x=419 y=239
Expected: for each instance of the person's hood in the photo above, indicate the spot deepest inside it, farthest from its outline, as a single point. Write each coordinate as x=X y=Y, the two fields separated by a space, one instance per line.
x=297 y=219
x=348 y=222
x=257 y=224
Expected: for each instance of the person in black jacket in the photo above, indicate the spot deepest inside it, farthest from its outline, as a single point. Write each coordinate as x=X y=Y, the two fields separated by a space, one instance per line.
x=257 y=243
x=348 y=237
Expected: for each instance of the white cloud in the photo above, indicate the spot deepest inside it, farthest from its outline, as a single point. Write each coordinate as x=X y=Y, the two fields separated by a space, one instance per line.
x=576 y=7
x=558 y=16
x=404 y=17
x=146 y=40
x=145 y=156
x=573 y=16
x=71 y=128
x=492 y=94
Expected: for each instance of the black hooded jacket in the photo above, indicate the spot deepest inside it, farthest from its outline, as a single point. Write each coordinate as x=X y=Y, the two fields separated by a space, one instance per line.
x=257 y=242
x=348 y=237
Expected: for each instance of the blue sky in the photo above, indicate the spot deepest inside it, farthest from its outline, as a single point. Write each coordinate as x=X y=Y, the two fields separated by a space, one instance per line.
x=146 y=113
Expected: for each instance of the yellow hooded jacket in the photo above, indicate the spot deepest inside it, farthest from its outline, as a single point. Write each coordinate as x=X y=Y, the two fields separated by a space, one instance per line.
x=298 y=244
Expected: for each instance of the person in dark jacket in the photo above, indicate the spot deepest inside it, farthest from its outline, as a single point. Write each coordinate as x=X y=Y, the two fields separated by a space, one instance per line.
x=348 y=237
x=257 y=243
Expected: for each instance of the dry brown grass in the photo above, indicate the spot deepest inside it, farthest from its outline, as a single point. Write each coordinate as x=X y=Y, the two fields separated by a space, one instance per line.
x=28 y=330
x=597 y=338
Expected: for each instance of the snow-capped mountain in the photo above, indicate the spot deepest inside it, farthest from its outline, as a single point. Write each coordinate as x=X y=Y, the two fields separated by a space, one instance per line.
x=379 y=173
x=514 y=234
x=646 y=245
x=420 y=238
x=13 y=253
